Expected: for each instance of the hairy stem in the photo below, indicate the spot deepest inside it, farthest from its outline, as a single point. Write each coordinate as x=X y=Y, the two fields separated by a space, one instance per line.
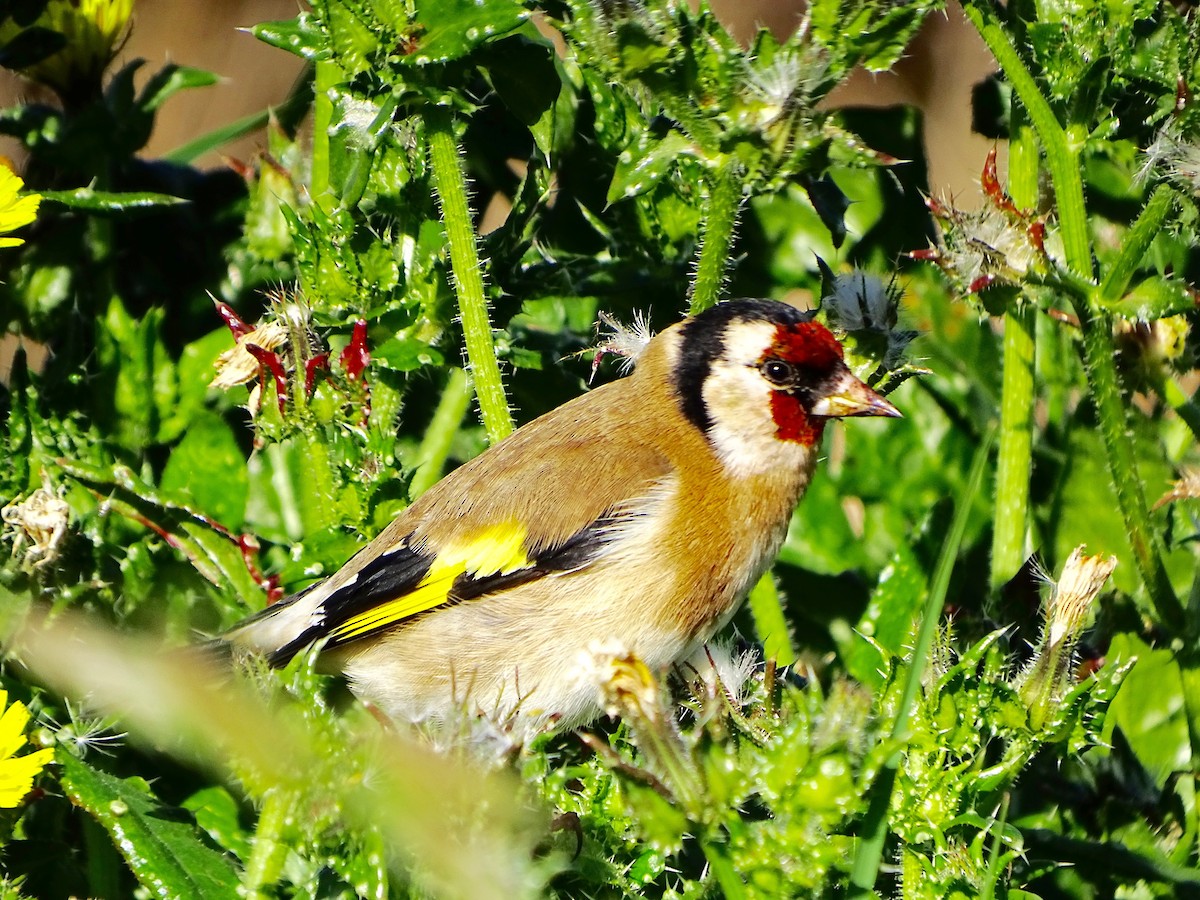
x=720 y=222
x=1136 y=242
x=451 y=185
x=1061 y=146
x=435 y=445
x=1062 y=149
x=1014 y=457
x=727 y=878
x=1099 y=356
x=267 y=856
x=326 y=75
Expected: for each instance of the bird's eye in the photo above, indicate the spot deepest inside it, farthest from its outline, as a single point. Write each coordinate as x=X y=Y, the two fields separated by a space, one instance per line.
x=778 y=372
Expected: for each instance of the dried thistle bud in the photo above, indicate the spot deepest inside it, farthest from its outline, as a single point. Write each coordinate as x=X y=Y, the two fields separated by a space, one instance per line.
x=627 y=686
x=629 y=689
x=624 y=341
x=40 y=520
x=239 y=365
x=1186 y=487
x=283 y=346
x=1174 y=157
x=772 y=91
x=1049 y=675
x=995 y=244
x=1080 y=583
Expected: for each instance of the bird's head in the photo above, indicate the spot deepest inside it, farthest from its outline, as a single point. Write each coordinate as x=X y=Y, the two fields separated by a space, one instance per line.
x=761 y=378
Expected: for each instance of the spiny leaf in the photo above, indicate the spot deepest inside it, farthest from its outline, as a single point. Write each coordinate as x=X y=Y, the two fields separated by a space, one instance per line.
x=163 y=849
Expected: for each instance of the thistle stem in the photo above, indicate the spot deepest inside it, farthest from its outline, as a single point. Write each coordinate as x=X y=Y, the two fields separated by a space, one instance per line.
x=1099 y=357
x=1014 y=455
x=265 y=864
x=451 y=185
x=1062 y=148
x=1136 y=243
x=727 y=878
x=435 y=445
x=720 y=222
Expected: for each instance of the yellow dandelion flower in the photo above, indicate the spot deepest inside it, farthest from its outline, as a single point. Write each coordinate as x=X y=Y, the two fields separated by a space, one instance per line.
x=16 y=209
x=17 y=772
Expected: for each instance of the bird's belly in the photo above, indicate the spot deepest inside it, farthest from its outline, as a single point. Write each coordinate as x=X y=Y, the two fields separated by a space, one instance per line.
x=523 y=657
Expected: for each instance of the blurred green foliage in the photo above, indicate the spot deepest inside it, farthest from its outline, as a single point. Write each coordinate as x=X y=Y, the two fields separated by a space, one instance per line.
x=175 y=465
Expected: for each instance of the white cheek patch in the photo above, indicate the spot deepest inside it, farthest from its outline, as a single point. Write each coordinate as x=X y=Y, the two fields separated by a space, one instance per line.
x=743 y=431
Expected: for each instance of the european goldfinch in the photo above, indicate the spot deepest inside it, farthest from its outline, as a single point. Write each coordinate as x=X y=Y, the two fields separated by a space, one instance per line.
x=638 y=514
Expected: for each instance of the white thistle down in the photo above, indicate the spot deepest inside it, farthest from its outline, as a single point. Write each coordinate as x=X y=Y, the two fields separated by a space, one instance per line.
x=627 y=342
x=1172 y=156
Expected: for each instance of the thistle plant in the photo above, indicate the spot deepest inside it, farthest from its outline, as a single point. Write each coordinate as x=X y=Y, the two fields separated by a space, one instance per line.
x=745 y=120
x=248 y=371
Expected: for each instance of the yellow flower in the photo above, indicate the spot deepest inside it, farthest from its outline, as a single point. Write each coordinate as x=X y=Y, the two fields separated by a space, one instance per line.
x=15 y=209
x=94 y=30
x=17 y=772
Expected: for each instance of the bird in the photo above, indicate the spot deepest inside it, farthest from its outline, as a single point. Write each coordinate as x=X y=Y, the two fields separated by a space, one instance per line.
x=638 y=515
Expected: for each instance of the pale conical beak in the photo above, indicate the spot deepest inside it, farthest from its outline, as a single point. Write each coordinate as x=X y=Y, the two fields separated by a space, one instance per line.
x=850 y=397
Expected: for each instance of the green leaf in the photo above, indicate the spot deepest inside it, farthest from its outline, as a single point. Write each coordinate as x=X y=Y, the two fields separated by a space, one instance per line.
x=554 y=132
x=406 y=354
x=90 y=200
x=525 y=76
x=862 y=32
x=143 y=388
x=641 y=167
x=207 y=472
x=1155 y=298
x=163 y=849
x=886 y=626
x=170 y=80
x=217 y=813
x=209 y=547
x=1150 y=708
x=831 y=204
x=302 y=36
x=356 y=131
x=30 y=47
x=450 y=29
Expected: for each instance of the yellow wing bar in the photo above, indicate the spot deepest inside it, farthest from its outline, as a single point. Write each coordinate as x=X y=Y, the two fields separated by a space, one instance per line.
x=498 y=550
